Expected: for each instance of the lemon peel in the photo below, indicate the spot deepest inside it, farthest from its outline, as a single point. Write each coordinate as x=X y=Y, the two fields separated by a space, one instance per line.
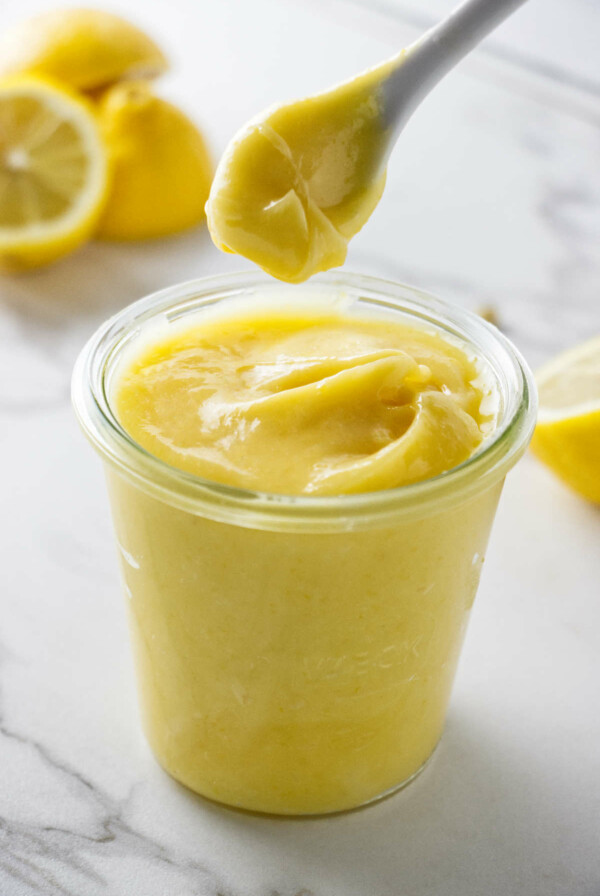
x=85 y=48
x=160 y=165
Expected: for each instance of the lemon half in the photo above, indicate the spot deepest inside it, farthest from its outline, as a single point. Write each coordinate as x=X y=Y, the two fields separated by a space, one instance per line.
x=567 y=435
x=161 y=167
x=53 y=172
x=84 y=48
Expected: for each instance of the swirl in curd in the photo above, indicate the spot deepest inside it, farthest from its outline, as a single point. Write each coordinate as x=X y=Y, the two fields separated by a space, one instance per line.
x=310 y=402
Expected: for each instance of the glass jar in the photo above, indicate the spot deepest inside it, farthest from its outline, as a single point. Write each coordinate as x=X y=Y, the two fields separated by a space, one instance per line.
x=295 y=654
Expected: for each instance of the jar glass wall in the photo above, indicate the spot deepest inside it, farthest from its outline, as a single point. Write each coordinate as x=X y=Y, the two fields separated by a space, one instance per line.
x=296 y=654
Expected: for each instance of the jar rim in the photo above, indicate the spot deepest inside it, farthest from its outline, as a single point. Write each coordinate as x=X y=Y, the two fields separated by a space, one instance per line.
x=330 y=513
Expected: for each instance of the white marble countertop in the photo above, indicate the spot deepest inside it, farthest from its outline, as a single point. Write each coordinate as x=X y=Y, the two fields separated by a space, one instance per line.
x=493 y=199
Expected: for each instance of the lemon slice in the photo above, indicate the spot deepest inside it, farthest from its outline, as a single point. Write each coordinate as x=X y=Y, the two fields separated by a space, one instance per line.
x=53 y=172
x=85 y=48
x=567 y=435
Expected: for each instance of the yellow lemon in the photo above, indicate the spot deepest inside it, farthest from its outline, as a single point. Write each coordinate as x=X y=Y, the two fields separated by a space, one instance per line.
x=86 y=48
x=53 y=172
x=160 y=165
x=567 y=436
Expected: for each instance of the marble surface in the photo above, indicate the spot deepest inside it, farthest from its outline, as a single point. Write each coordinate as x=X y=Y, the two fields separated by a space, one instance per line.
x=493 y=199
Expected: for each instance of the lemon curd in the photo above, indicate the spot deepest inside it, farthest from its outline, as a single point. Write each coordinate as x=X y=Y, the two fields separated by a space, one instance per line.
x=299 y=181
x=299 y=670
x=309 y=402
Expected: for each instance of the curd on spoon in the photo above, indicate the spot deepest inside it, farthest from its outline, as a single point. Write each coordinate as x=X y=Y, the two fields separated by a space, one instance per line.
x=300 y=180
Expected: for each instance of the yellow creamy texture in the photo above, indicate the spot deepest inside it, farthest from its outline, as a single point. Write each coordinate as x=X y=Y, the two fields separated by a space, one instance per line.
x=297 y=183
x=315 y=403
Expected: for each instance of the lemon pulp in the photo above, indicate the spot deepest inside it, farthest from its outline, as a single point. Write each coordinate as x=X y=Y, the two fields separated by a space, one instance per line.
x=567 y=435
x=53 y=172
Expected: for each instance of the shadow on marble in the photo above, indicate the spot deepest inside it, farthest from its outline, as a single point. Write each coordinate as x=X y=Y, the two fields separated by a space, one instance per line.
x=102 y=277
x=480 y=818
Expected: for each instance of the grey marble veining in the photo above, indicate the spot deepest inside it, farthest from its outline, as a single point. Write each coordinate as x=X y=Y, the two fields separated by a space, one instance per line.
x=493 y=198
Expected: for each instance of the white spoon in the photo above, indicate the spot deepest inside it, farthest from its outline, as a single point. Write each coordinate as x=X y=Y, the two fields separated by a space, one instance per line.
x=418 y=68
x=299 y=180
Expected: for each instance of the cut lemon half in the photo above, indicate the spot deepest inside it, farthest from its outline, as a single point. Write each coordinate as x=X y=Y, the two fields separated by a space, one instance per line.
x=53 y=172
x=567 y=435
x=160 y=164
x=85 y=48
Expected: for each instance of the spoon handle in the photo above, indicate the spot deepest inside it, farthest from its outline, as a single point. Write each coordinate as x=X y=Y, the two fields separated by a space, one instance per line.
x=421 y=65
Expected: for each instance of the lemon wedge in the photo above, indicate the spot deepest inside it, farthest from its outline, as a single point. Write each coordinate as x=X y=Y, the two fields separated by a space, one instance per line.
x=85 y=48
x=567 y=435
x=161 y=167
x=53 y=172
